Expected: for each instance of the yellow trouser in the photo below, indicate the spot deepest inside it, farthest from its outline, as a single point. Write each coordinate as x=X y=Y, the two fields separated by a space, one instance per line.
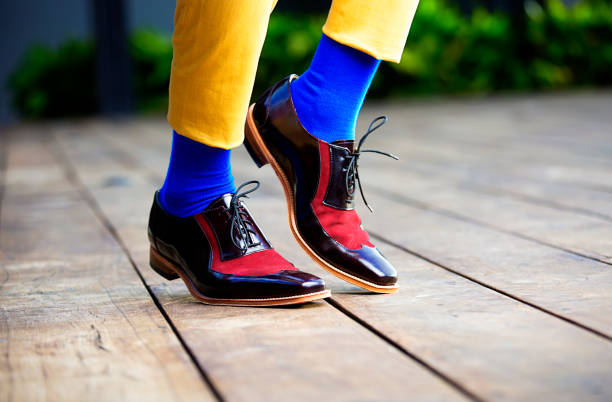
x=217 y=45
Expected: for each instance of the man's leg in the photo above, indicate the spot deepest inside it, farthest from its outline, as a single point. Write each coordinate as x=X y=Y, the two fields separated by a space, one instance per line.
x=213 y=70
x=197 y=174
x=357 y=35
x=199 y=228
x=305 y=128
x=329 y=95
x=216 y=45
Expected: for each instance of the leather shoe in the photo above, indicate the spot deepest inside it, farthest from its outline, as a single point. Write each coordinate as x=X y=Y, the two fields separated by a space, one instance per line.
x=319 y=181
x=224 y=258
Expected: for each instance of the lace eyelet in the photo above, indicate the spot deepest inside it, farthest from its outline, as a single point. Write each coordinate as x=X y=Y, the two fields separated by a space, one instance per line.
x=239 y=219
x=352 y=172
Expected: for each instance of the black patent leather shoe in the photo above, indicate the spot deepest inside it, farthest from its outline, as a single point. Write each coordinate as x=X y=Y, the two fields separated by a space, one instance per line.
x=319 y=181
x=224 y=258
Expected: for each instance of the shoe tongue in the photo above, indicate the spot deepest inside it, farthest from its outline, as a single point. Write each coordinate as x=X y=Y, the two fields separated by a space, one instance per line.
x=349 y=145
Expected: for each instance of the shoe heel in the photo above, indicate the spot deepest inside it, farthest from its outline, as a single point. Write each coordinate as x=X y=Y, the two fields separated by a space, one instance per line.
x=250 y=141
x=161 y=265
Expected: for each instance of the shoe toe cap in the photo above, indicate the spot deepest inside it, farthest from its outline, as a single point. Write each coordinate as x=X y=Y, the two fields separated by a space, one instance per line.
x=308 y=282
x=375 y=268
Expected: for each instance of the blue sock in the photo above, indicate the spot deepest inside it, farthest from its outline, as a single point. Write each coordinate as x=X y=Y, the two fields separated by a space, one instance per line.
x=329 y=95
x=196 y=176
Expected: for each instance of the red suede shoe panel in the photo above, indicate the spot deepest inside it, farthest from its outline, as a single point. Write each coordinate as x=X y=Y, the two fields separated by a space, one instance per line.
x=261 y=263
x=342 y=225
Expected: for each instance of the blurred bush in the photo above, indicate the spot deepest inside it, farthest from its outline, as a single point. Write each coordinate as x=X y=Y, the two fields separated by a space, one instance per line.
x=447 y=52
x=290 y=44
x=151 y=59
x=571 y=47
x=55 y=82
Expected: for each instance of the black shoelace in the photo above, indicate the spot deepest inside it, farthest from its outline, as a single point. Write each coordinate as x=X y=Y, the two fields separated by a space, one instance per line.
x=352 y=172
x=243 y=241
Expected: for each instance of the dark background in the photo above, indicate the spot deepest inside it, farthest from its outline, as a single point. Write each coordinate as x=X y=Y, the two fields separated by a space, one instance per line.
x=26 y=22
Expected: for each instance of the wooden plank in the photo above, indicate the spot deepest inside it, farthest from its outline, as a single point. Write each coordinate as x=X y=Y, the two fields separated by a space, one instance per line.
x=496 y=347
x=584 y=201
x=75 y=320
x=573 y=130
x=503 y=153
x=301 y=353
x=31 y=167
x=586 y=235
x=571 y=286
x=451 y=155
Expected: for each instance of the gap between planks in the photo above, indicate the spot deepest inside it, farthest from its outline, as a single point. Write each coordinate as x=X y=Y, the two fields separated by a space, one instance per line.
x=594 y=331
x=126 y=160
x=73 y=178
x=68 y=263
x=438 y=151
x=401 y=198
x=156 y=178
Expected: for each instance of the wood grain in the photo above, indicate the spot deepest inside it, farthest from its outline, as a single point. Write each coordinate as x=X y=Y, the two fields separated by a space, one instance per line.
x=300 y=353
x=517 y=148
x=496 y=347
x=75 y=320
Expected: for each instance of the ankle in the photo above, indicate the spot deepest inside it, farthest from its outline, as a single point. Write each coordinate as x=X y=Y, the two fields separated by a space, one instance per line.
x=329 y=95
x=197 y=175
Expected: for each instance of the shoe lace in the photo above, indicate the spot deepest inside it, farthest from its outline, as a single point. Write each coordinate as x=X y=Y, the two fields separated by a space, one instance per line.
x=238 y=218
x=352 y=172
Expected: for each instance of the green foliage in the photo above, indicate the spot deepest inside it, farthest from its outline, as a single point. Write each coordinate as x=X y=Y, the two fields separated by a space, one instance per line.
x=554 y=47
x=447 y=52
x=52 y=83
x=151 y=59
x=572 y=46
x=289 y=46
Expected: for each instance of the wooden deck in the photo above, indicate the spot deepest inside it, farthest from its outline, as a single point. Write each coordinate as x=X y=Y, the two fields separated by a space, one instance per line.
x=498 y=217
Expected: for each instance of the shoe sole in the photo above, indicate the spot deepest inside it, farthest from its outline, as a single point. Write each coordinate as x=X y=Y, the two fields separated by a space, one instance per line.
x=261 y=156
x=171 y=271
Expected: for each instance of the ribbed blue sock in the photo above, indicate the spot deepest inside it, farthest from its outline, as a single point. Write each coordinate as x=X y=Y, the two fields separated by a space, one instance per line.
x=197 y=175
x=329 y=95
